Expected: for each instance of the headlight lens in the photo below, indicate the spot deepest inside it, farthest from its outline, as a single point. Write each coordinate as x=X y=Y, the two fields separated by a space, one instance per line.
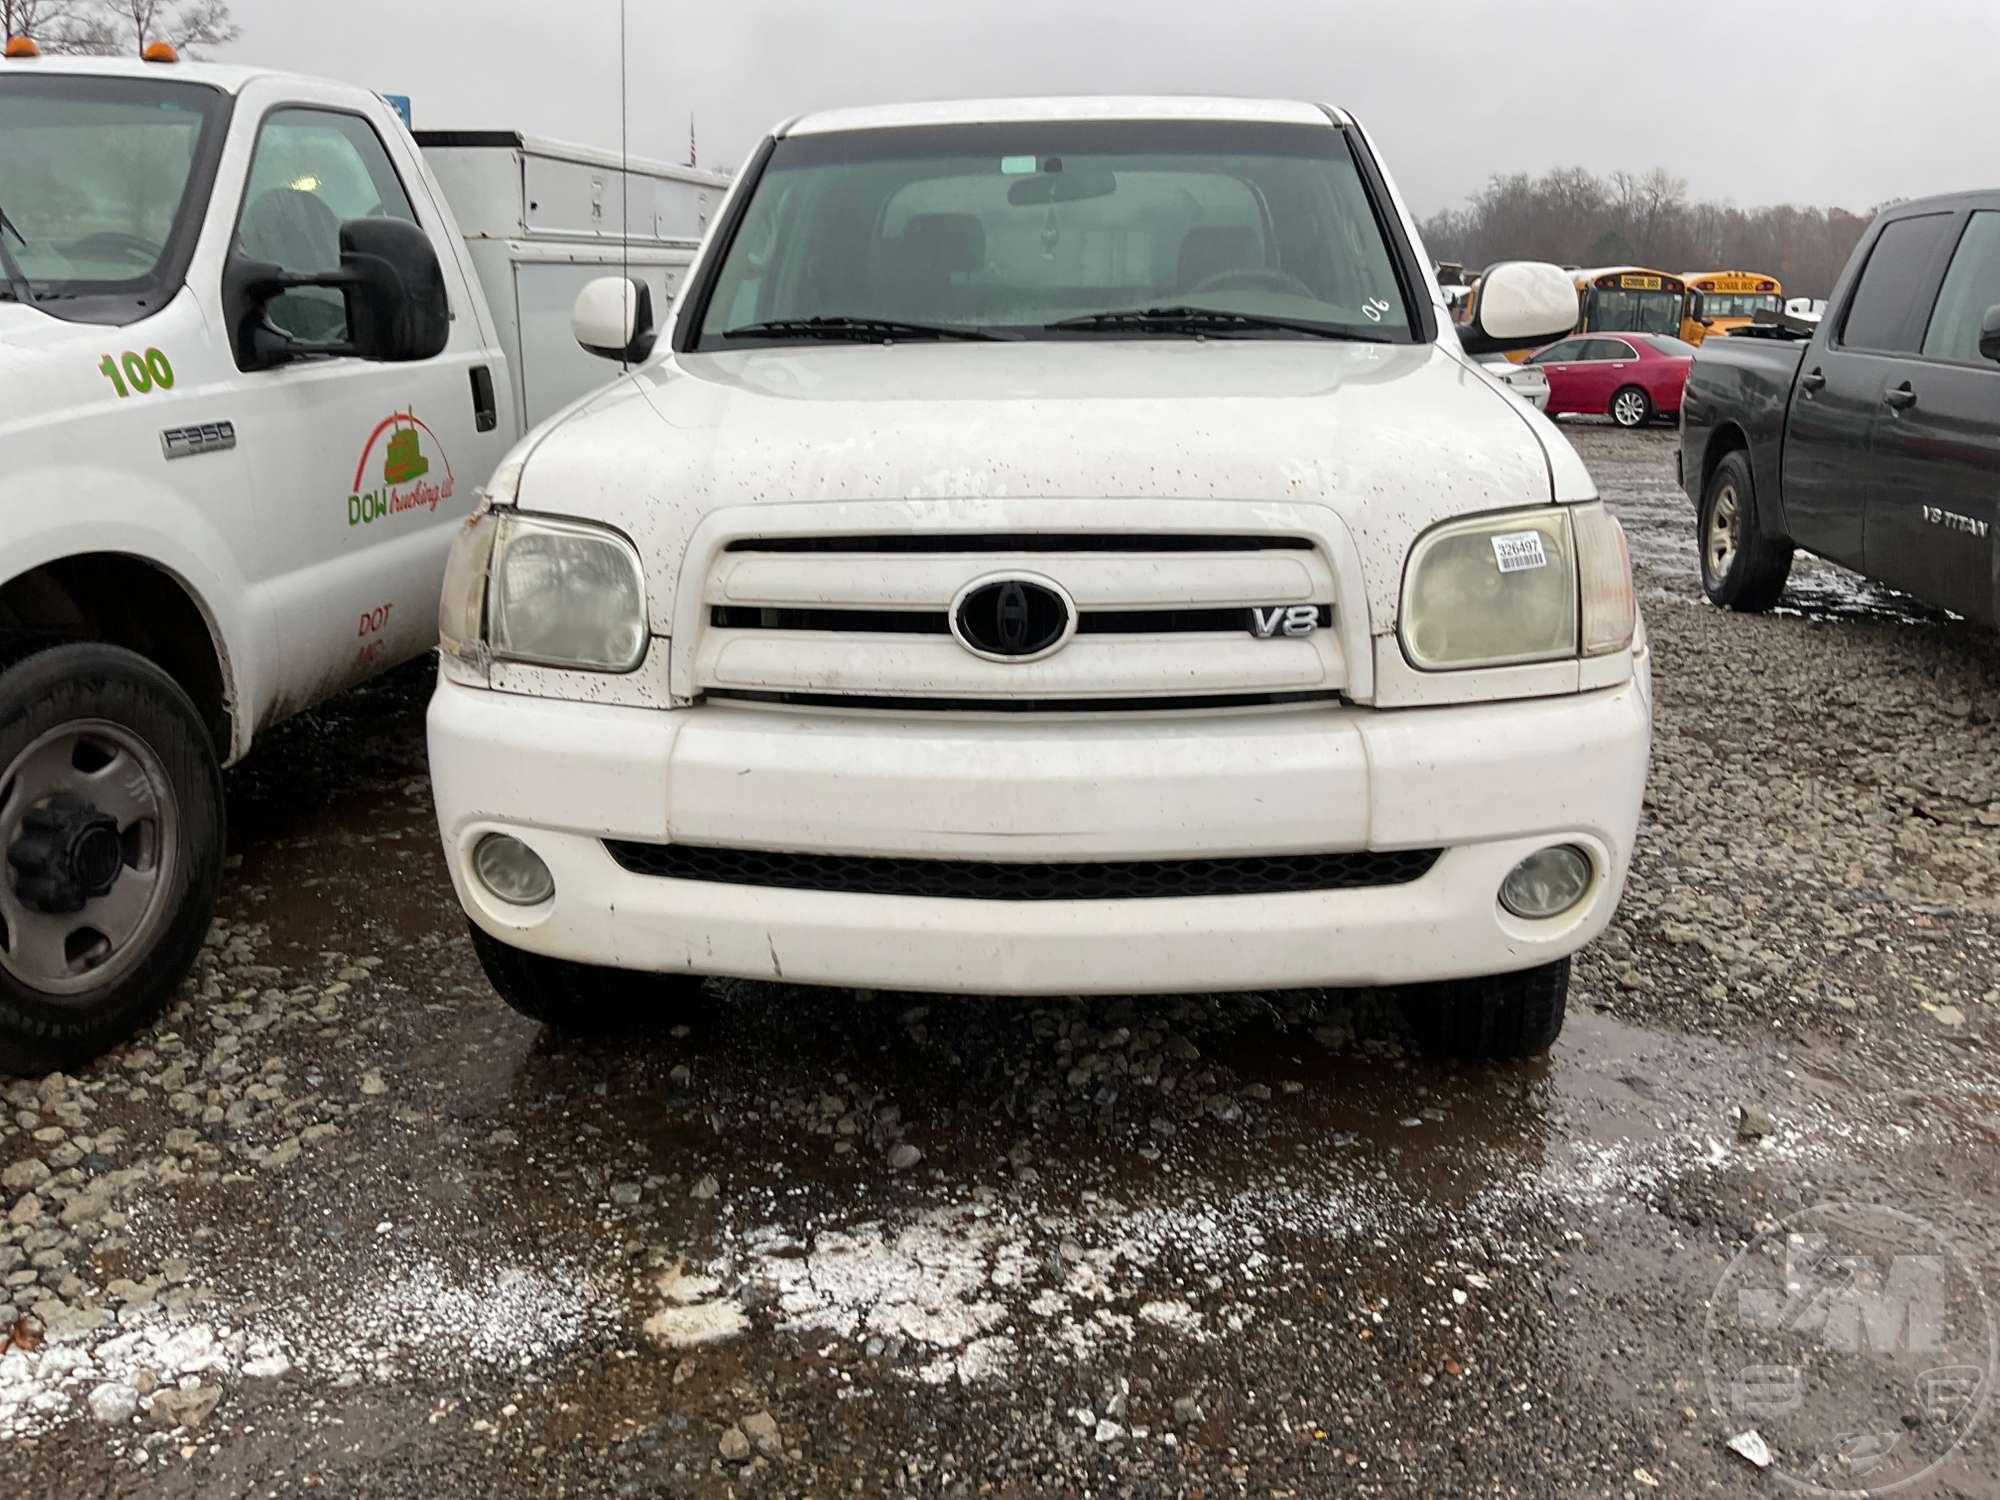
x=1604 y=566
x=565 y=594
x=462 y=605
x=1492 y=591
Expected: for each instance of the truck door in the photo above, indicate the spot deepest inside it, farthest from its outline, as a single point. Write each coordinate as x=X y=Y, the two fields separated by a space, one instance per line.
x=1828 y=468
x=363 y=469
x=1936 y=499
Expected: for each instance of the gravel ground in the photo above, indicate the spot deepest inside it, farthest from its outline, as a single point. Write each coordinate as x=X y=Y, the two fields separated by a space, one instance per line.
x=341 y=1223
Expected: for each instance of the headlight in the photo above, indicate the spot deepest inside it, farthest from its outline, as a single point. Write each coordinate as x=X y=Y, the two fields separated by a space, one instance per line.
x=1492 y=591
x=462 y=605
x=1604 y=566
x=544 y=591
x=1527 y=586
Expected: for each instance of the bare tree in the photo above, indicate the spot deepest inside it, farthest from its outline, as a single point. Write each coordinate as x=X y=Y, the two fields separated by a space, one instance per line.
x=1575 y=218
x=190 y=26
x=55 y=25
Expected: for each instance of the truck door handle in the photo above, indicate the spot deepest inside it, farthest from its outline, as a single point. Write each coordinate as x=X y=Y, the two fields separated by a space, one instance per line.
x=1899 y=398
x=1812 y=380
x=485 y=411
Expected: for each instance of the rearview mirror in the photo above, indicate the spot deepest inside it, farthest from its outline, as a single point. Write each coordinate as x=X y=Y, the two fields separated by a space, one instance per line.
x=1062 y=187
x=1989 y=333
x=391 y=286
x=1517 y=305
x=613 y=319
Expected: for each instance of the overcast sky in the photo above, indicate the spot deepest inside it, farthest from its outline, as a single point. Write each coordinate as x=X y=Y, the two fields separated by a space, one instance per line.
x=1843 y=102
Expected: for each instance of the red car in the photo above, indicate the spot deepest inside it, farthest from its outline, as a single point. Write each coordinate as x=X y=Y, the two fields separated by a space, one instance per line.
x=1630 y=377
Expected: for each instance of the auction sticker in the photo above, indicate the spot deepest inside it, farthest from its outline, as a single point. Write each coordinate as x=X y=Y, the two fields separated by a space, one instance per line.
x=1517 y=551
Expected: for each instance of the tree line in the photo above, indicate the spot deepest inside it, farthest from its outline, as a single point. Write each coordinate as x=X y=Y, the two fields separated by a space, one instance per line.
x=1575 y=218
x=110 y=27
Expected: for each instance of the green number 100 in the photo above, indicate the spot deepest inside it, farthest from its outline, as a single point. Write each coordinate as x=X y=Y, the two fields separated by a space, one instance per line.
x=138 y=373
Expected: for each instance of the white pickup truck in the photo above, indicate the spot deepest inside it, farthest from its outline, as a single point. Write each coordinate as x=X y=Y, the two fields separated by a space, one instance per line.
x=249 y=383
x=1061 y=546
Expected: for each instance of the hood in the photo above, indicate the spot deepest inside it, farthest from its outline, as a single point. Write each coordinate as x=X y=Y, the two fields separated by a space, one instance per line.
x=1394 y=438
x=48 y=365
x=29 y=328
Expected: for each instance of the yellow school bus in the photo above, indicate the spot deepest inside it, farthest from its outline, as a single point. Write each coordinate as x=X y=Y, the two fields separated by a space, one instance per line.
x=1718 y=301
x=1624 y=299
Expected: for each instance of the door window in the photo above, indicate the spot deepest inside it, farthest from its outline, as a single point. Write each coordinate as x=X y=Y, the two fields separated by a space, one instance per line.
x=1558 y=354
x=1609 y=349
x=1880 y=316
x=314 y=169
x=1971 y=286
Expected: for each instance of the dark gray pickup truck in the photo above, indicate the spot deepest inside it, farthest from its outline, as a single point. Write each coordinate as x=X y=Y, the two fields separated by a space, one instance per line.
x=1875 y=442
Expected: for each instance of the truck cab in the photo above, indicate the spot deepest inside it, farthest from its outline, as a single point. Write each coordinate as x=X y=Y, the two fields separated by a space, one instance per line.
x=1874 y=440
x=248 y=386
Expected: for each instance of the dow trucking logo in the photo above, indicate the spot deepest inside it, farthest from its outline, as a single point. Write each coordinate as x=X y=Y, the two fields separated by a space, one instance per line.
x=407 y=482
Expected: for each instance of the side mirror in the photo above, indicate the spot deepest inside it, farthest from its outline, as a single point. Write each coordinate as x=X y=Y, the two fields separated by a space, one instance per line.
x=613 y=319
x=390 y=283
x=1989 y=333
x=1520 y=303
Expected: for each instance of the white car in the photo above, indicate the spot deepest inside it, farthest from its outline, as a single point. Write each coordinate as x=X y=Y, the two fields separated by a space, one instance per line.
x=1060 y=547
x=1525 y=381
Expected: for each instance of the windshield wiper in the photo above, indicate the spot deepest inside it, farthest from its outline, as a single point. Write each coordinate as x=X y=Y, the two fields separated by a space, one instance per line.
x=852 y=330
x=1203 y=320
x=16 y=281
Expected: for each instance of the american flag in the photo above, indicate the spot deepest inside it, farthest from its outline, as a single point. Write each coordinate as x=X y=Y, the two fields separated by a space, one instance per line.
x=691 y=160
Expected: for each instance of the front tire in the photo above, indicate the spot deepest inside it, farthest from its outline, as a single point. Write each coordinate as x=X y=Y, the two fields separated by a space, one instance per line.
x=1631 y=407
x=111 y=845
x=1505 y=1018
x=581 y=998
x=1741 y=567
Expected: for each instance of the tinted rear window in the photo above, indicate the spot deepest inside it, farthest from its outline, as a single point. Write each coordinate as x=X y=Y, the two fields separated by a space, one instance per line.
x=1882 y=315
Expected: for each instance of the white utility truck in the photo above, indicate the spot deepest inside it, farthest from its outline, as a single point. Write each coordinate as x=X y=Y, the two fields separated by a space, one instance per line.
x=1059 y=546
x=249 y=383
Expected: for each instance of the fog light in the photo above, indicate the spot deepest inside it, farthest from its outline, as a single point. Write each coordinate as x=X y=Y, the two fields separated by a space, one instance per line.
x=1547 y=883
x=512 y=871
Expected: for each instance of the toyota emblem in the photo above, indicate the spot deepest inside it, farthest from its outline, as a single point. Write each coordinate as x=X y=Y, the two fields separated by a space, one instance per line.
x=1013 y=617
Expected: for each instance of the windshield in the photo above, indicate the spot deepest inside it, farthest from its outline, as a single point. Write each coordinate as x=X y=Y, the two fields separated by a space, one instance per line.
x=1735 y=304
x=1635 y=312
x=95 y=181
x=1012 y=228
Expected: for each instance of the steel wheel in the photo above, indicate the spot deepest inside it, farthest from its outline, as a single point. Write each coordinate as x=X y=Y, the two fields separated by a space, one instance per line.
x=89 y=831
x=1723 y=536
x=1630 y=407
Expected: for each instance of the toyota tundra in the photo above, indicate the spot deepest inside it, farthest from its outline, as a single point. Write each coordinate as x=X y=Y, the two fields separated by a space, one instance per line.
x=1056 y=546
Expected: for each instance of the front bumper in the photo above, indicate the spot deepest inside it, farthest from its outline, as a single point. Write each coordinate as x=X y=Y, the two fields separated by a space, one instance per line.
x=1487 y=783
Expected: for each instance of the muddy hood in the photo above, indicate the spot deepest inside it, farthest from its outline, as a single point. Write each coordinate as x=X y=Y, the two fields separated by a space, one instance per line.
x=1393 y=438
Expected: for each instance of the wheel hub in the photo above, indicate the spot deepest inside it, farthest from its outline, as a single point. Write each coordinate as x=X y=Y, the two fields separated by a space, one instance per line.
x=66 y=855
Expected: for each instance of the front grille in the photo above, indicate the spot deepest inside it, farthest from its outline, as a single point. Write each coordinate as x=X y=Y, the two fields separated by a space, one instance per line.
x=935 y=622
x=1034 y=541
x=908 y=704
x=986 y=880
x=1159 y=616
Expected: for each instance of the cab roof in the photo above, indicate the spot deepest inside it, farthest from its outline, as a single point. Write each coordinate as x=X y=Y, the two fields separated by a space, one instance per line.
x=229 y=79
x=1076 y=108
